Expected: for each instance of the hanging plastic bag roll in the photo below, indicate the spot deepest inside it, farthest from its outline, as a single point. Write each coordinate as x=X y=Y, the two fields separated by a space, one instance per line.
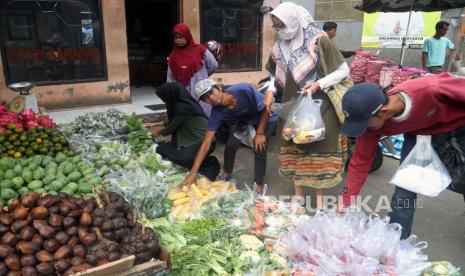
x=422 y=171
x=304 y=123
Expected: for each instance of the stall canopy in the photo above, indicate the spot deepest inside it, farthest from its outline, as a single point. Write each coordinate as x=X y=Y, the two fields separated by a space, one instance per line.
x=371 y=6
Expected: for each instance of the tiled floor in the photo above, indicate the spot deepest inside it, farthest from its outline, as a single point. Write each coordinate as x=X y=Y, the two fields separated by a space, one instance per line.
x=141 y=97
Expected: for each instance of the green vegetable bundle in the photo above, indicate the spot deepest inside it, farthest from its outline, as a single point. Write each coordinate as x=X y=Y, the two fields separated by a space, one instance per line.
x=170 y=234
x=209 y=259
x=198 y=230
x=151 y=201
x=138 y=136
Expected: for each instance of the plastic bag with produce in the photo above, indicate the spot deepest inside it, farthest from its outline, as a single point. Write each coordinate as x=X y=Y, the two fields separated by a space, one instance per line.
x=422 y=171
x=304 y=124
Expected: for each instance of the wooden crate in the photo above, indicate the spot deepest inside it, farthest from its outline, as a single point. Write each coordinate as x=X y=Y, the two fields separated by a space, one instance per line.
x=145 y=269
x=125 y=267
x=165 y=256
x=112 y=268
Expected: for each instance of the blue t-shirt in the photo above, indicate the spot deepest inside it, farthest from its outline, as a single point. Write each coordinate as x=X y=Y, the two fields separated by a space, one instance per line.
x=436 y=49
x=249 y=108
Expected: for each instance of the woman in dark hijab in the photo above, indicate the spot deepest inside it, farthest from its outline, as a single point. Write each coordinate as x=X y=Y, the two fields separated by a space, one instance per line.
x=187 y=125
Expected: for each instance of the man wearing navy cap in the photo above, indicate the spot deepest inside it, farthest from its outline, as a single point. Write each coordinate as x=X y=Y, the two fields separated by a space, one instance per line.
x=425 y=106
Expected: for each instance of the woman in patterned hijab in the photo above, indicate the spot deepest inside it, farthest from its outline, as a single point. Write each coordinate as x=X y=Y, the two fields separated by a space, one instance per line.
x=304 y=60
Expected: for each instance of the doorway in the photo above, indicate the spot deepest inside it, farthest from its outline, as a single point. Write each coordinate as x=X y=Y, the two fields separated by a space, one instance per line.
x=149 y=24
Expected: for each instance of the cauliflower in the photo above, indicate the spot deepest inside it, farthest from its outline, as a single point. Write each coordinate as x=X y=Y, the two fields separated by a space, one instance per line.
x=250 y=242
x=253 y=255
x=278 y=260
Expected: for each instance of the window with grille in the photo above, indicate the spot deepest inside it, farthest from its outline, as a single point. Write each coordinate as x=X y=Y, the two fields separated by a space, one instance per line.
x=52 y=41
x=236 y=25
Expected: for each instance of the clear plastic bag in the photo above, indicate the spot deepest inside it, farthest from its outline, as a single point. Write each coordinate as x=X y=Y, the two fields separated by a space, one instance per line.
x=422 y=171
x=352 y=244
x=304 y=124
x=246 y=135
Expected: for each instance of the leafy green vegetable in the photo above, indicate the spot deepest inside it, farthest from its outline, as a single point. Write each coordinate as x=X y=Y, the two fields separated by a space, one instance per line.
x=210 y=259
x=198 y=230
x=138 y=137
x=169 y=234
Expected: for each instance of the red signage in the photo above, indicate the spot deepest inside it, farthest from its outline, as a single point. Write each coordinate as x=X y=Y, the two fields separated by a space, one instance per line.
x=64 y=54
x=235 y=48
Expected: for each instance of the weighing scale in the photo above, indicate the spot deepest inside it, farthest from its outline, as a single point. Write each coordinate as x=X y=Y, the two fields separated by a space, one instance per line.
x=25 y=99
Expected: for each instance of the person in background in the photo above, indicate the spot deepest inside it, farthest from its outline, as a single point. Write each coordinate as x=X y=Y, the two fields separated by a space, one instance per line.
x=186 y=124
x=240 y=103
x=305 y=60
x=424 y=106
x=434 y=49
x=189 y=62
x=331 y=29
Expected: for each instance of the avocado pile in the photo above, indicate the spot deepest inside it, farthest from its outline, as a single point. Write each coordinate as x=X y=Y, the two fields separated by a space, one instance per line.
x=46 y=174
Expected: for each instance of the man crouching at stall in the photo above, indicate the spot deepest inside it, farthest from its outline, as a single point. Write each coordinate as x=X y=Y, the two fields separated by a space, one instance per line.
x=425 y=106
x=239 y=103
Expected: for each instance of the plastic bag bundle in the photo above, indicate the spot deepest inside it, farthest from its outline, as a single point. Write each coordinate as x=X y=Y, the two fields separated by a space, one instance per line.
x=109 y=123
x=234 y=208
x=422 y=171
x=352 y=244
x=151 y=200
x=358 y=67
x=126 y=183
x=374 y=70
x=442 y=269
x=304 y=123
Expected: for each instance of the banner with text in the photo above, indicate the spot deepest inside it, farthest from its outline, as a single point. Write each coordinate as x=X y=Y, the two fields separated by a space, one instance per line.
x=386 y=29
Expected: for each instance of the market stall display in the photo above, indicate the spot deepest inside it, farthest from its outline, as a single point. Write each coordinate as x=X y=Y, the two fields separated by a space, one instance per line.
x=110 y=125
x=207 y=228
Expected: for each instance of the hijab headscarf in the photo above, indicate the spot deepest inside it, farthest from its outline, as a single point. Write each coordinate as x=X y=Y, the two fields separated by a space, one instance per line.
x=186 y=61
x=178 y=101
x=298 y=55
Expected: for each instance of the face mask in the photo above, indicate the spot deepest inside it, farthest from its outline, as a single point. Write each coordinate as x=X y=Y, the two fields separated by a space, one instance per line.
x=286 y=34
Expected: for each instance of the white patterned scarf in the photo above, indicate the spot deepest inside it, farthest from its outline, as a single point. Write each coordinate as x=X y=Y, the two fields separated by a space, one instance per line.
x=299 y=55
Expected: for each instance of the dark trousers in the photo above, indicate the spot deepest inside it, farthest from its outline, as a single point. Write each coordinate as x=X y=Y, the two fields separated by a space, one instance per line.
x=403 y=201
x=436 y=69
x=233 y=144
x=185 y=156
